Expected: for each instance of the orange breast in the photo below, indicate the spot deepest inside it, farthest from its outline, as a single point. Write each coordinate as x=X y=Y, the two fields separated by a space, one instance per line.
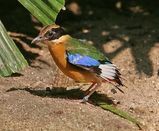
x=58 y=53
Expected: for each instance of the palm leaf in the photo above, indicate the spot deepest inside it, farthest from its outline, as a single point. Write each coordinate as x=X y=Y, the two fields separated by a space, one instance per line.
x=11 y=59
x=45 y=11
x=116 y=111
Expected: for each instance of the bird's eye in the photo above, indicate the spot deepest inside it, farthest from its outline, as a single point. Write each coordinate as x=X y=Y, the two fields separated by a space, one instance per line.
x=50 y=34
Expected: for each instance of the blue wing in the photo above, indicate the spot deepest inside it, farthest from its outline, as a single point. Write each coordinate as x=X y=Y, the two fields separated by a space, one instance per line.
x=105 y=69
x=80 y=60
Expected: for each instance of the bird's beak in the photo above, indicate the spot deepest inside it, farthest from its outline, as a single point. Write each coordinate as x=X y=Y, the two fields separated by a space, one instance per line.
x=37 y=39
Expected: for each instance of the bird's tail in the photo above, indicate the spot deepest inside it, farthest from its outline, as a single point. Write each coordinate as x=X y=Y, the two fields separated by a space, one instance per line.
x=110 y=73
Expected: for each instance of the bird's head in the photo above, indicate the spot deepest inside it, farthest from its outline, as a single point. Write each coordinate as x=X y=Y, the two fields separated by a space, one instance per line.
x=49 y=33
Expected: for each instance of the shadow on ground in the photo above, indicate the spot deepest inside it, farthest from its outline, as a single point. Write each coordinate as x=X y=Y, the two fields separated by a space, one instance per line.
x=60 y=92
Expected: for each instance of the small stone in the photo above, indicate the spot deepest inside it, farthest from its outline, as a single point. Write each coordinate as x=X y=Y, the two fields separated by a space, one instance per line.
x=105 y=33
x=48 y=89
x=85 y=31
x=116 y=102
x=131 y=109
x=113 y=91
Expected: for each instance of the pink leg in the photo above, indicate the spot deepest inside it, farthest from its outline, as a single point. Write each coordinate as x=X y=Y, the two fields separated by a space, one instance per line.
x=85 y=99
x=88 y=90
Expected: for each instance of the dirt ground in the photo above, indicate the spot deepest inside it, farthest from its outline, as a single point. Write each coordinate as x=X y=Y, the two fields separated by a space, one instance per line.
x=42 y=98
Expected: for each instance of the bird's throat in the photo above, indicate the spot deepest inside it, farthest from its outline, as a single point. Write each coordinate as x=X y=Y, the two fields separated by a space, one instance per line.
x=58 y=53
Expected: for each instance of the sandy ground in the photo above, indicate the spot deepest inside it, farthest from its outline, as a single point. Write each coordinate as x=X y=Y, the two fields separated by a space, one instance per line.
x=42 y=98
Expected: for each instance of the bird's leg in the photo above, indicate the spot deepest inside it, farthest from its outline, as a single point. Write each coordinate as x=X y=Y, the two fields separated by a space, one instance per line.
x=85 y=99
x=88 y=90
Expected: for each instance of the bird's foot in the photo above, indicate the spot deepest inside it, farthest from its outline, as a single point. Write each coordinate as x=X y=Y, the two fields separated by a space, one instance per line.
x=85 y=99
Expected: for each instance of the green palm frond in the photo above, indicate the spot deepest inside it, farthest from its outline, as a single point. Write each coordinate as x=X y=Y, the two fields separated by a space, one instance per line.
x=45 y=11
x=11 y=59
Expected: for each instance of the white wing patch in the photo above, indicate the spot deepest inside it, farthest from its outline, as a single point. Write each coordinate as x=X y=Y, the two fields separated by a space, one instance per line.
x=108 y=71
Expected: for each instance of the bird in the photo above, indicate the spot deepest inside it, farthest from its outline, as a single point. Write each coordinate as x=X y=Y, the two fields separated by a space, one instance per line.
x=79 y=60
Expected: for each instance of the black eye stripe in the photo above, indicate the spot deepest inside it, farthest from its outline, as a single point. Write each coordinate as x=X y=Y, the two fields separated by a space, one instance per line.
x=54 y=33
